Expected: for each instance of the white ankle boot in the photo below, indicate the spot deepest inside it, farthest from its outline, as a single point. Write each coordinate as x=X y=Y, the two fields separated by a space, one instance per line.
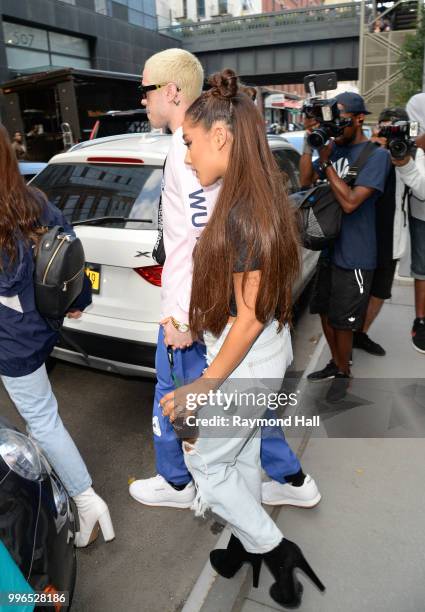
x=92 y=514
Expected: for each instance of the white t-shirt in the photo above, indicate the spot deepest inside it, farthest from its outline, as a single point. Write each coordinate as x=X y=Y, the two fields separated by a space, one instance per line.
x=186 y=208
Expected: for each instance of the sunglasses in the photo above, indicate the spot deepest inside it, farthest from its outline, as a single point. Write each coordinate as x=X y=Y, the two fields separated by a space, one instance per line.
x=145 y=88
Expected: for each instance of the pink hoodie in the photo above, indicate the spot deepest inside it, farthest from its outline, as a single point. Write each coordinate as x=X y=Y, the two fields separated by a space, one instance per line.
x=186 y=208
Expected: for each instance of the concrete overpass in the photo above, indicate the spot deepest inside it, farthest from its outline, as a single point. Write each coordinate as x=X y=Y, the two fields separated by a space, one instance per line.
x=278 y=48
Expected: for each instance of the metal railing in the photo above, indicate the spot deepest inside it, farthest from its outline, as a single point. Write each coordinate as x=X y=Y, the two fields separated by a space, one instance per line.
x=231 y=25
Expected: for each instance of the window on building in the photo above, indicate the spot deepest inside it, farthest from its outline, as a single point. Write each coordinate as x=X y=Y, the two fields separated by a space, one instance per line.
x=68 y=1
x=222 y=7
x=200 y=8
x=26 y=58
x=149 y=7
x=142 y=13
x=69 y=62
x=30 y=48
x=25 y=37
x=69 y=45
x=150 y=22
x=135 y=17
x=102 y=7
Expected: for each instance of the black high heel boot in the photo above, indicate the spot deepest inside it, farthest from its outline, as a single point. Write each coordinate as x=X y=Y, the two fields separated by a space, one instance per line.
x=228 y=561
x=282 y=561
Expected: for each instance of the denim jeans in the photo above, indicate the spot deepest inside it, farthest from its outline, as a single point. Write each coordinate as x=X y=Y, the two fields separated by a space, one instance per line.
x=37 y=405
x=277 y=458
x=227 y=470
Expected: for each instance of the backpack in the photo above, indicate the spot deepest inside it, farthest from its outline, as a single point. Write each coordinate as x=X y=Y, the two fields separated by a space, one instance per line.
x=321 y=213
x=59 y=272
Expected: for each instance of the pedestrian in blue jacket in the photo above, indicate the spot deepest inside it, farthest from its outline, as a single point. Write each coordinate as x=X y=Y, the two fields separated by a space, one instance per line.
x=27 y=338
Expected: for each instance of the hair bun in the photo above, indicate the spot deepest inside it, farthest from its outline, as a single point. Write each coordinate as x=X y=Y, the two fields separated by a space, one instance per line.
x=224 y=84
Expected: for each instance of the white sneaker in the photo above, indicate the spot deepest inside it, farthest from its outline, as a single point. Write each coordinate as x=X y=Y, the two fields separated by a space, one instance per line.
x=274 y=493
x=157 y=491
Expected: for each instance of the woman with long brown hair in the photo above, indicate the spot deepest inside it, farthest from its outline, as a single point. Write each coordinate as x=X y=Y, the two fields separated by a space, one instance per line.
x=27 y=338
x=245 y=264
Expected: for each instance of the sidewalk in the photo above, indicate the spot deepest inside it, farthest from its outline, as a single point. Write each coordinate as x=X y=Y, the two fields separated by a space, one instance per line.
x=366 y=538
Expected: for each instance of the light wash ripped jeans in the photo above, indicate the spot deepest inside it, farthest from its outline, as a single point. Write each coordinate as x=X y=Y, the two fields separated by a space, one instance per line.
x=227 y=470
x=34 y=399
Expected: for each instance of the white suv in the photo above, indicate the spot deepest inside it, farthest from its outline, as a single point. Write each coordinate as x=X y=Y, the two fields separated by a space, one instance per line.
x=109 y=189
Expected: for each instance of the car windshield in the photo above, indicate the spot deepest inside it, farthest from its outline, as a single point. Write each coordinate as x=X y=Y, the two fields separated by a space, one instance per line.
x=288 y=161
x=83 y=191
x=111 y=125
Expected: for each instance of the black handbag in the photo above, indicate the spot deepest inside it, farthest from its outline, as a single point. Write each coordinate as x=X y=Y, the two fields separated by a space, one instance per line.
x=321 y=213
x=59 y=272
x=158 y=252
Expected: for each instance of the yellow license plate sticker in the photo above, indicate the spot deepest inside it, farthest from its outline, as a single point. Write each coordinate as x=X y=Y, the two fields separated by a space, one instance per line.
x=94 y=276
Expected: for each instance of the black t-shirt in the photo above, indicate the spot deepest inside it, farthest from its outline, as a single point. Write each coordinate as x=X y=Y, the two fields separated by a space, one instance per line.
x=242 y=246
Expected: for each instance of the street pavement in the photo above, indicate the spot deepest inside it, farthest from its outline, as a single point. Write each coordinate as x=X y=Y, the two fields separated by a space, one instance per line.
x=158 y=553
x=366 y=538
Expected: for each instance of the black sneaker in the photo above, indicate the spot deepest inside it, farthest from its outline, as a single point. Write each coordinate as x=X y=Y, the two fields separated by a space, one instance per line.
x=328 y=371
x=362 y=341
x=418 y=335
x=339 y=387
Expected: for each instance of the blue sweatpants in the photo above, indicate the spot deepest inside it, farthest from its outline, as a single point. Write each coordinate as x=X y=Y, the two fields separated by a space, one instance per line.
x=277 y=458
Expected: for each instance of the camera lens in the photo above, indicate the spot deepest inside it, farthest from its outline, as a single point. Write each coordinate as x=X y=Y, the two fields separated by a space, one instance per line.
x=318 y=138
x=398 y=148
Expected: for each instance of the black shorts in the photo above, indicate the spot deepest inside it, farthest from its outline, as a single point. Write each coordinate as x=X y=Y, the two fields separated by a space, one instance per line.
x=383 y=278
x=341 y=294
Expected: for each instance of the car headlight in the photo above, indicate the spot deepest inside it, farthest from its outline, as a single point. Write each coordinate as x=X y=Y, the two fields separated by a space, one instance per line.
x=20 y=454
x=59 y=495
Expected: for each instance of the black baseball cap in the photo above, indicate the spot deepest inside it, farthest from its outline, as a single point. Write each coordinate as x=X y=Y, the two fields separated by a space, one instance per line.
x=394 y=113
x=352 y=102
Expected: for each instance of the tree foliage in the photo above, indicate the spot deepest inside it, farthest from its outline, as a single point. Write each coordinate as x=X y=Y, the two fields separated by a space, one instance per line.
x=412 y=63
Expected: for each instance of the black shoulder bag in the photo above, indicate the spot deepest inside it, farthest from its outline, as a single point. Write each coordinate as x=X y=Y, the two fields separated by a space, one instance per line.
x=58 y=278
x=158 y=252
x=321 y=213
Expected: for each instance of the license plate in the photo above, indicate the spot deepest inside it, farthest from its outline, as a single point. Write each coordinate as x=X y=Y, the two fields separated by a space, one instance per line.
x=93 y=272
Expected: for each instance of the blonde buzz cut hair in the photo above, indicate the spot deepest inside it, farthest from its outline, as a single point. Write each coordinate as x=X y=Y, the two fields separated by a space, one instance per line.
x=180 y=67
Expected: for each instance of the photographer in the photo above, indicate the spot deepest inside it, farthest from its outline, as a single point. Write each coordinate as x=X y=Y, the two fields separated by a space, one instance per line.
x=411 y=172
x=391 y=232
x=344 y=273
x=391 y=218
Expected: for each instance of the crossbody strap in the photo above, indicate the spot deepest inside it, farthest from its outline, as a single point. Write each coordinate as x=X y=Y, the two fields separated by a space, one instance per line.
x=355 y=167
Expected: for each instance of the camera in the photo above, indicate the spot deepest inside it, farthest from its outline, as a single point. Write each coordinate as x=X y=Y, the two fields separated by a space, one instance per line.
x=400 y=137
x=324 y=111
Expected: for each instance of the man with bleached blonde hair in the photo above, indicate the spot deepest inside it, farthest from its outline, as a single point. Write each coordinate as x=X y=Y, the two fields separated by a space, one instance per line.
x=171 y=81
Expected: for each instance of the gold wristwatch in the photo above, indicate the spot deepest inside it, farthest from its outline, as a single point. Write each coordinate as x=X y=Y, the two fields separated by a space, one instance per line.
x=181 y=327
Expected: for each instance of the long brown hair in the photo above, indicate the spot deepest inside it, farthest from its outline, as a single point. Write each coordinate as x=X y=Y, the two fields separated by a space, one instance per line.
x=253 y=204
x=20 y=205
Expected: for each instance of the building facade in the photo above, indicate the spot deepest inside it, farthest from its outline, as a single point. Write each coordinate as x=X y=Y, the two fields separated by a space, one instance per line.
x=271 y=6
x=200 y=10
x=65 y=62
x=113 y=35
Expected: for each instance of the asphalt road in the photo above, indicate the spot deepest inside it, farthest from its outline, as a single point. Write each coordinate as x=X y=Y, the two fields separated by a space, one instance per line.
x=158 y=553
